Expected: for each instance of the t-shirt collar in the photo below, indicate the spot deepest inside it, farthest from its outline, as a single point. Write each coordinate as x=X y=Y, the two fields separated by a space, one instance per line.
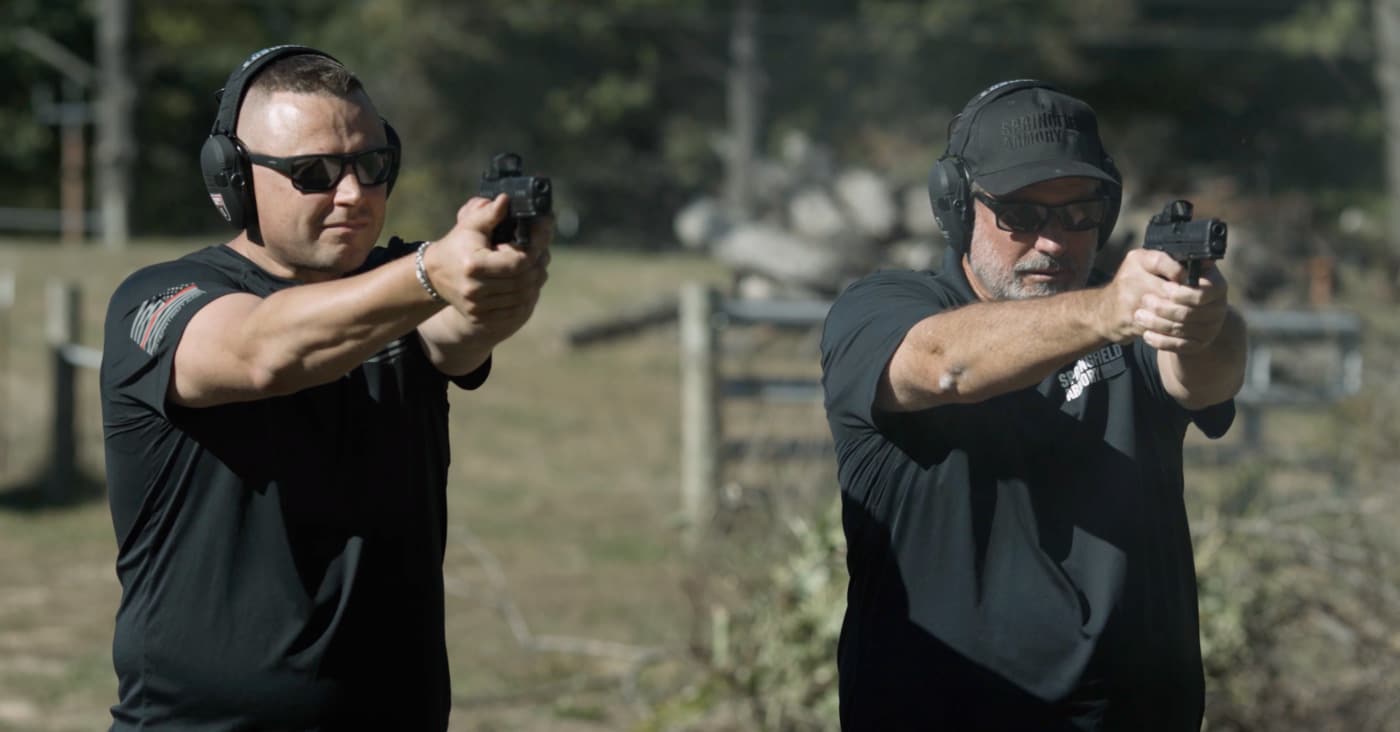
x=255 y=278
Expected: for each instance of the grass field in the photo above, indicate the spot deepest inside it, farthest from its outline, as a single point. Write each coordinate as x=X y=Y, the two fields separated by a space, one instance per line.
x=564 y=498
x=563 y=492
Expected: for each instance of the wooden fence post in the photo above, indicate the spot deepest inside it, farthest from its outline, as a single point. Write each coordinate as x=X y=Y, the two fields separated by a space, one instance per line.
x=7 y=303
x=700 y=415
x=61 y=325
x=1258 y=373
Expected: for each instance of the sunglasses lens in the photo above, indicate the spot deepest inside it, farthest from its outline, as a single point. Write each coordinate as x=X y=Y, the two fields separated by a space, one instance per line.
x=1083 y=215
x=373 y=167
x=1021 y=217
x=316 y=172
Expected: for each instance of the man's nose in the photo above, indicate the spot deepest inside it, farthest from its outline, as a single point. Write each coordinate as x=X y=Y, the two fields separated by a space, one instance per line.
x=1052 y=239
x=348 y=189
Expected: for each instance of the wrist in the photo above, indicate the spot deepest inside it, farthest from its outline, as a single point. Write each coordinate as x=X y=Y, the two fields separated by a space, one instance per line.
x=1102 y=315
x=421 y=272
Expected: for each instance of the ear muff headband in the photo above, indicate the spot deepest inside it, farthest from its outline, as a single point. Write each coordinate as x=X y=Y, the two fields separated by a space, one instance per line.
x=950 y=188
x=224 y=162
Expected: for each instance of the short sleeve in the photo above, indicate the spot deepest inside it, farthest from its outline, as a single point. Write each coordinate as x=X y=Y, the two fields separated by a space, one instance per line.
x=1213 y=421
x=864 y=327
x=146 y=318
x=474 y=379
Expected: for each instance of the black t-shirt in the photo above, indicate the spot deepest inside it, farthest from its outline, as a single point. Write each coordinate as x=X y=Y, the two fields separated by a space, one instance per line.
x=1020 y=563
x=281 y=559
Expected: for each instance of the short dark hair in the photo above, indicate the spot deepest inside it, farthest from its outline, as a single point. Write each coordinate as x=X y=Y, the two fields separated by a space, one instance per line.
x=307 y=73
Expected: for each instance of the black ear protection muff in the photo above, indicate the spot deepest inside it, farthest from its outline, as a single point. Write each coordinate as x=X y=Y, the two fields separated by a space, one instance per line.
x=224 y=162
x=950 y=187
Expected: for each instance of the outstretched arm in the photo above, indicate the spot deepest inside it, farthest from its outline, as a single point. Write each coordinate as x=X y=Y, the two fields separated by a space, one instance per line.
x=242 y=347
x=986 y=349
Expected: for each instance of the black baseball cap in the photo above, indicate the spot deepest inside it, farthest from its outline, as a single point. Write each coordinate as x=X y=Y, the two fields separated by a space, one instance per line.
x=1031 y=135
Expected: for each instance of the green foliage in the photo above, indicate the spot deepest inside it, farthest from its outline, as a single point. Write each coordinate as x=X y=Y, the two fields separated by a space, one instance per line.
x=785 y=658
x=1299 y=594
x=1294 y=604
x=771 y=664
x=1329 y=29
x=622 y=101
x=29 y=157
x=1297 y=562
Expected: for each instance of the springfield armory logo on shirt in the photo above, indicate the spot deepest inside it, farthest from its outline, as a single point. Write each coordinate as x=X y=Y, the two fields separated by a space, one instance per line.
x=1093 y=368
x=155 y=314
x=1031 y=129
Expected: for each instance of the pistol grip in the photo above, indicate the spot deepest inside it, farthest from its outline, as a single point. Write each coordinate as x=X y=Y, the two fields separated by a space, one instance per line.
x=511 y=232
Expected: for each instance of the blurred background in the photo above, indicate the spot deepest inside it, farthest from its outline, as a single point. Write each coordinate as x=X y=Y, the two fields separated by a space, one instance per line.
x=643 y=501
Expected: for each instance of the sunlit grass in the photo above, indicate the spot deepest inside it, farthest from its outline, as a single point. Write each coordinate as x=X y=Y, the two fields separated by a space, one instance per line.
x=564 y=471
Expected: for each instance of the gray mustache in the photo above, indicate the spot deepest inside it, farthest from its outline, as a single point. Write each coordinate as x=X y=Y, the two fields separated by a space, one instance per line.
x=1042 y=263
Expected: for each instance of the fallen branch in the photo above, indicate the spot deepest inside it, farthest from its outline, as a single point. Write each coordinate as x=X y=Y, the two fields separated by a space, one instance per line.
x=628 y=322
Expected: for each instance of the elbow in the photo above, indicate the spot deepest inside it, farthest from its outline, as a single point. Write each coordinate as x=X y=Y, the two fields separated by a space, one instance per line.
x=269 y=379
x=1196 y=401
x=1209 y=388
x=924 y=389
x=1234 y=382
x=949 y=385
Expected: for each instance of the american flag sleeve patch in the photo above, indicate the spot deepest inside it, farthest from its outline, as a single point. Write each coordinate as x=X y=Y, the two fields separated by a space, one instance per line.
x=156 y=313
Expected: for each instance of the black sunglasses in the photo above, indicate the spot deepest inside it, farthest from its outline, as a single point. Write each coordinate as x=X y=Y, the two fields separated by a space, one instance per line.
x=1021 y=217
x=320 y=173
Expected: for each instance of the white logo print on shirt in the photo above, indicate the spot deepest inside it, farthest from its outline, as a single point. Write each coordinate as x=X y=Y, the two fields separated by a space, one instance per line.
x=1093 y=368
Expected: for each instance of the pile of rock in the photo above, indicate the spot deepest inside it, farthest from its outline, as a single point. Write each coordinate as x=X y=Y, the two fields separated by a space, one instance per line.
x=814 y=227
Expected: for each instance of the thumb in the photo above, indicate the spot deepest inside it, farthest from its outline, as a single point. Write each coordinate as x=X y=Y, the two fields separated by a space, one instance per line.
x=482 y=214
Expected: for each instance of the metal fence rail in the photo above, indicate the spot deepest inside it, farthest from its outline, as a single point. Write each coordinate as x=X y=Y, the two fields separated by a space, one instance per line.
x=44 y=219
x=62 y=313
x=704 y=314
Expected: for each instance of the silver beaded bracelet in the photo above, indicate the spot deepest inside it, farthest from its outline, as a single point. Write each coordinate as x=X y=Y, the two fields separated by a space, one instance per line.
x=423 y=274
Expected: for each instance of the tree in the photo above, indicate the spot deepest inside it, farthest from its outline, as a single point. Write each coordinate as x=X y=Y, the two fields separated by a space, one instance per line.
x=1387 y=25
x=116 y=146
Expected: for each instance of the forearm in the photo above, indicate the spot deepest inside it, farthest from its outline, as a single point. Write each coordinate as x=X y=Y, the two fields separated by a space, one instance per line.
x=987 y=349
x=453 y=345
x=1211 y=375
x=312 y=334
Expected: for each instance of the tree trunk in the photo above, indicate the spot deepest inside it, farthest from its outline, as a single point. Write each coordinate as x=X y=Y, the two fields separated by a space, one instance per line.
x=1387 y=23
x=73 y=167
x=115 y=101
x=745 y=82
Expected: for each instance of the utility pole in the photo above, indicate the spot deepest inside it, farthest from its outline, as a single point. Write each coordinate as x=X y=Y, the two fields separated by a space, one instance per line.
x=113 y=119
x=69 y=115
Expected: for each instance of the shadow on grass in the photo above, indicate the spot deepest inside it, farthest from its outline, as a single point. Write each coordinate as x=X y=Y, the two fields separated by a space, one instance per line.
x=38 y=493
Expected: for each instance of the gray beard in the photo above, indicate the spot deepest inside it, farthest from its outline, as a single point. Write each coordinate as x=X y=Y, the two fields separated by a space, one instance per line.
x=1009 y=286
